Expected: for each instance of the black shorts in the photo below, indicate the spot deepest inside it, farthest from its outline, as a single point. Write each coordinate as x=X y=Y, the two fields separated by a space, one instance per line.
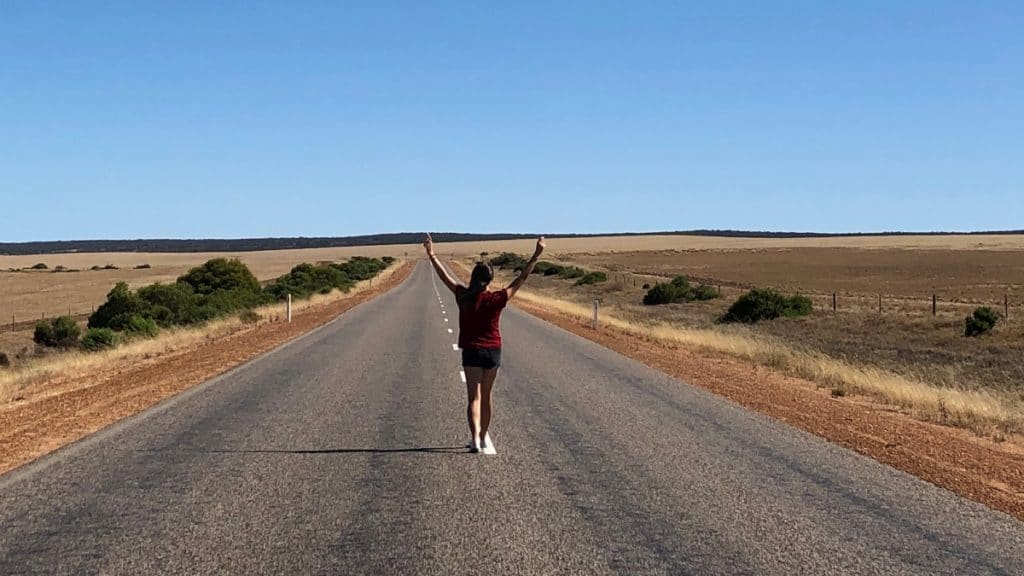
x=485 y=358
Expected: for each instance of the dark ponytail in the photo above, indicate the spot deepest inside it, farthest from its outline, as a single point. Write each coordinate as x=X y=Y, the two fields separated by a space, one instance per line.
x=478 y=282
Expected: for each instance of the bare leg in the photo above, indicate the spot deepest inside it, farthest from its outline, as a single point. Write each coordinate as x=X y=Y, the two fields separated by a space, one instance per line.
x=487 y=399
x=473 y=378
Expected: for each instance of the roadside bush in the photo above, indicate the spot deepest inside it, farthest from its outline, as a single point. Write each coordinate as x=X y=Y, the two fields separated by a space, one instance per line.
x=388 y=260
x=572 y=273
x=305 y=280
x=170 y=304
x=138 y=325
x=220 y=274
x=61 y=332
x=361 y=268
x=39 y=266
x=592 y=278
x=766 y=304
x=121 y=303
x=508 y=260
x=97 y=339
x=678 y=290
x=143 y=267
x=4 y=360
x=981 y=321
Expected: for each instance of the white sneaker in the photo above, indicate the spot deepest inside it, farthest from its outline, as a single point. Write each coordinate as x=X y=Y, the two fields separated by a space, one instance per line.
x=487 y=447
x=473 y=446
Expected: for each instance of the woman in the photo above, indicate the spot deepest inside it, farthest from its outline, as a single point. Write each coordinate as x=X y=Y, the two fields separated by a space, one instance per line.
x=480 y=337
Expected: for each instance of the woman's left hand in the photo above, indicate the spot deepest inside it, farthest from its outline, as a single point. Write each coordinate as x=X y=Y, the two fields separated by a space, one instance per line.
x=429 y=245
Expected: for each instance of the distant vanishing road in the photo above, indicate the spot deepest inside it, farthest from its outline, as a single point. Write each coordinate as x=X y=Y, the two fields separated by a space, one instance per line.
x=342 y=453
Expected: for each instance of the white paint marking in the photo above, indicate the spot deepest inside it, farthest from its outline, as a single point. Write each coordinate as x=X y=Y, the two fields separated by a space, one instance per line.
x=450 y=331
x=462 y=375
x=455 y=347
x=445 y=319
x=443 y=312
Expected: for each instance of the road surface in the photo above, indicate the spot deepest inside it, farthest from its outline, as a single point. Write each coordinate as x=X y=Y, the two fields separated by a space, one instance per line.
x=342 y=453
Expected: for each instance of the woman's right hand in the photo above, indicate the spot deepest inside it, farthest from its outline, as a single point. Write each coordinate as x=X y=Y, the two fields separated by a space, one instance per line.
x=541 y=245
x=428 y=244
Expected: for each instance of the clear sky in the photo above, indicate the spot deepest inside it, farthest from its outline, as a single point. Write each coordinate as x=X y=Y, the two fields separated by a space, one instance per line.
x=238 y=119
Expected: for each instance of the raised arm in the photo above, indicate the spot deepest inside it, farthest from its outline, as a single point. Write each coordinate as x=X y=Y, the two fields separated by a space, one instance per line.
x=442 y=273
x=525 y=272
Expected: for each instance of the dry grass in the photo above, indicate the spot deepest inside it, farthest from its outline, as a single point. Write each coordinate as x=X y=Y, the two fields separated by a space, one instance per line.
x=978 y=410
x=71 y=365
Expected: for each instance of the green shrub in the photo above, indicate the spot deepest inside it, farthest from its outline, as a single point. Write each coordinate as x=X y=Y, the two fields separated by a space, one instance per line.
x=39 y=266
x=361 y=268
x=143 y=267
x=592 y=278
x=548 y=268
x=97 y=339
x=705 y=292
x=138 y=325
x=678 y=290
x=766 y=304
x=305 y=280
x=665 y=293
x=221 y=274
x=121 y=303
x=572 y=273
x=5 y=361
x=388 y=260
x=508 y=260
x=61 y=332
x=43 y=333
x=170 y=304
x=981 y=321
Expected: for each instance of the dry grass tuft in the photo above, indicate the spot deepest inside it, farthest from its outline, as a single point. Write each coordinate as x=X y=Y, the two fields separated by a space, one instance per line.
x=978 y=410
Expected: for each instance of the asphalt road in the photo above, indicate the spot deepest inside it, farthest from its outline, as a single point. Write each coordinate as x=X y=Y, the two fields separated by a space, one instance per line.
x=342 y=453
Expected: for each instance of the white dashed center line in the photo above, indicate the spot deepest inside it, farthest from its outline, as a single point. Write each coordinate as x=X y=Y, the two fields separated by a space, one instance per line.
x=455 y=347
x=450 y=331
x=462 y=376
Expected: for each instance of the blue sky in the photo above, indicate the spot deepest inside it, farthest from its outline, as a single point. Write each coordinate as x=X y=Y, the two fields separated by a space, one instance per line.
x=240 y=119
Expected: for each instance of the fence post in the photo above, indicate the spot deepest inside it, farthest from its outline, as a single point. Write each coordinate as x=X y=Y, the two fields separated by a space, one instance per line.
x=879 y=303
x=935 y=305
x=1006 y=306
x=597 y=305
x=835 y=306
x=288 y=308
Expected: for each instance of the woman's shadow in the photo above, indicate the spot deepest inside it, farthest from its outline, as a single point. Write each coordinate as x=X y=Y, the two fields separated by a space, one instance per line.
x=422 y=449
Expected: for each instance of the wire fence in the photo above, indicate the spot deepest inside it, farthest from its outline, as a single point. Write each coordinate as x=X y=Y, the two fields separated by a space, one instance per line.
x=19 y=322
x=934 y=304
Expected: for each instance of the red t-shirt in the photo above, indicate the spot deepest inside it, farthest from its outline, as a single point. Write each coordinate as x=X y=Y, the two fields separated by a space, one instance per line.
x=479 y=318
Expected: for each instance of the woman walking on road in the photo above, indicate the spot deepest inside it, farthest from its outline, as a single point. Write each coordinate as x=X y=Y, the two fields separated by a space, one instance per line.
x=480 y=337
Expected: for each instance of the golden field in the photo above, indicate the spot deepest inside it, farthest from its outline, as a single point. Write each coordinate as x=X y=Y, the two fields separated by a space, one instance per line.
x=27 y=295
x=902 y=355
